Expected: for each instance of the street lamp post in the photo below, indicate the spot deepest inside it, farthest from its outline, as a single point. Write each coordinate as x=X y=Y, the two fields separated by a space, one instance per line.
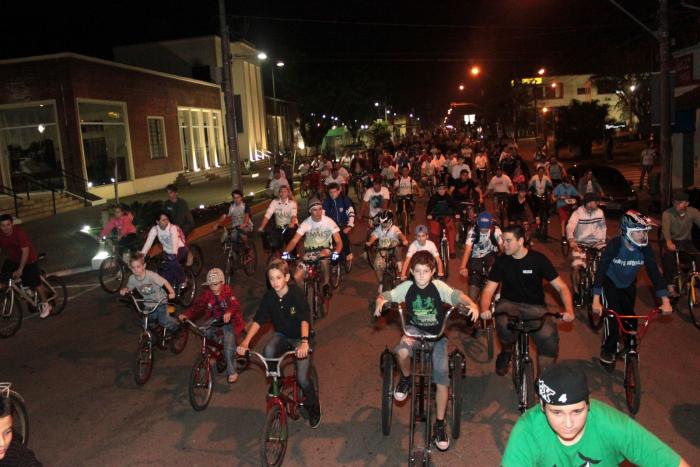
x=279 y=64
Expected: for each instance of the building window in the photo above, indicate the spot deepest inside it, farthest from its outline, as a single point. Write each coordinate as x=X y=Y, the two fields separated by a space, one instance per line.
x=105 y=143
x=30 y=145
x=156 y=137
x=201 y=137
x=580 y=91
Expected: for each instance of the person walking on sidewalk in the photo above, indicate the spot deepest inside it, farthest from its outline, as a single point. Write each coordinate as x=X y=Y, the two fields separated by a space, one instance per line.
x=648 y=158
x=178 y=210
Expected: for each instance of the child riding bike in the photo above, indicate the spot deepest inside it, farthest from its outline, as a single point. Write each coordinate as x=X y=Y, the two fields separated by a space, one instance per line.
x=424 y=298
x=387 y=235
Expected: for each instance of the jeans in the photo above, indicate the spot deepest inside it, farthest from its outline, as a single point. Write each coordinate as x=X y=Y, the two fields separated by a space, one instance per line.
x=229 y=344
x=280 y=344
x=546 y=339
x=441 y=372
x=161 y=314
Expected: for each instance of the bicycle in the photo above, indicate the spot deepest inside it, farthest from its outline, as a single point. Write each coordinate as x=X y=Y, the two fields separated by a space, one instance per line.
x=466 y=221
x=185 y=292
x=585 y=287
x=444 y=246
x=320 y=305
x=114 y=269
x=404 y=211
x=150 y=335
x=201 y=381
x=238 y=255
x=12 y=311
x=543 y=214
x=422 y=388
x=391 y=273
x=20 y=416
x=360 y=185
x=501 y=203
x=487 y=325
x=371 y=252
x=285 y=399
x=523 y=372
x=692 y=286
x=628 y=350
x=570 y=206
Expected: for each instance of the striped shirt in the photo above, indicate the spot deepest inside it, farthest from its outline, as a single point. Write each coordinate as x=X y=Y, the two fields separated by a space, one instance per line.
x=586 y=227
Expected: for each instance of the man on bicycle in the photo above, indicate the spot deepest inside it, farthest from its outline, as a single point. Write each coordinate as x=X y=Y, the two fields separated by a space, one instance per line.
x=341 y=209
x=405 y=188
x=520 y=272
x=320 y=235
x=22 y=260
x=442 y=205
x=376 y=198
x=387 y=235
x=676 y=226
x=464 y=190
x=500 y=185
x=424 y=298
x=616 y=277
x=569 y=428
x=540 y=190
x=563 y=192
x=483 y=244
x=241 y=221
x=586 y=227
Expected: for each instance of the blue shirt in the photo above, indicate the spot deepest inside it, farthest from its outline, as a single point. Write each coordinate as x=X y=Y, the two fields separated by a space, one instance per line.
x=564 y=189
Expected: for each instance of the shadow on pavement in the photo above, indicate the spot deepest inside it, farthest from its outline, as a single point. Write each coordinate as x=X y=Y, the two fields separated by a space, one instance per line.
x=686 y=420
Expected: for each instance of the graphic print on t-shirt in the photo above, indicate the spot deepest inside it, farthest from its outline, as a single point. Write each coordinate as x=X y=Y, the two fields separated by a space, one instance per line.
x=424 y=311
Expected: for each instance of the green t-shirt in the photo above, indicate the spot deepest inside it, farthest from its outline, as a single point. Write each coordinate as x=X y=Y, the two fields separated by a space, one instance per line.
x=610 y=438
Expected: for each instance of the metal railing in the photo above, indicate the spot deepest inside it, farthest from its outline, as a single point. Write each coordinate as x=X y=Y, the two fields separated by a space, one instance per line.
x=29 y=180
x=10 y=192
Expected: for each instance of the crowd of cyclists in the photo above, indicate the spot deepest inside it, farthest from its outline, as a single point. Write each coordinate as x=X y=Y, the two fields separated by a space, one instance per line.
x=480 y=198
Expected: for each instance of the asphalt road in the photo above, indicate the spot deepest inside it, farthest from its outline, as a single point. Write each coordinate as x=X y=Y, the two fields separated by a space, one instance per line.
x=75 y=372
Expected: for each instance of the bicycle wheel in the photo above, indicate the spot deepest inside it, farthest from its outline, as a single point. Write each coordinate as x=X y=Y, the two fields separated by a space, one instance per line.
x=187 y=293
x=250 y=259
x=445 y=254
x=197 y=259
x=229 y=267
x=456 y=362
x=201 y=383
x=274 y=438
x=371 y=253
x=179 y=341
x=693 y=305
x=388 y=280
x=20 y=416
x=516 y=369
x=11 y=313
x=111 y=275
x=60 y=294
x=347 y=265
x=404 y=222
x=144 y=360
x=489 y=325
x=633 y=390
x=387 y=367
x=335 y=274
x=526 y=389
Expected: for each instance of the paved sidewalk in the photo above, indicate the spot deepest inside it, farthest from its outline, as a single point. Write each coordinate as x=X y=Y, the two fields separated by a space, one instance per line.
x=69 y=250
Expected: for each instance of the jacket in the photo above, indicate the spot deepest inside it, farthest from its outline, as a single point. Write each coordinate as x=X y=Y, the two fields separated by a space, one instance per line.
x=206 y=304
x=341 y=210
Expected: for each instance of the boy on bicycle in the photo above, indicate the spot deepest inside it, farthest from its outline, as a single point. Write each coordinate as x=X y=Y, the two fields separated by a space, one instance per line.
x=483 y=244
x=284 y=209
x=241 y=221
x=424 y=298
x=616 y=277
x=339 y=207
x=442 y=205
x=405 y=188
x=422 y=243
x=286 y=306
x=387 y=235
x=172 y=239
x=218 y=302
x=562 y=192
x=150 y=285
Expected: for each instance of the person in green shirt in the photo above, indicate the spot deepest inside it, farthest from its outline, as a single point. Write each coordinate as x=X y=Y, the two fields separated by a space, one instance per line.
x=570 y=429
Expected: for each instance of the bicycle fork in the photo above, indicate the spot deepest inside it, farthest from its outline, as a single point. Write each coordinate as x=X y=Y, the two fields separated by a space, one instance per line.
x=421 y=403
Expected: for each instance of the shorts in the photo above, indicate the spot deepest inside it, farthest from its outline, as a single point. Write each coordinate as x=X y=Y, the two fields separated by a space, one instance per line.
x=578 y=258
x=441 y=371
x=475 y=267
x=381 y=260
x=31 y=275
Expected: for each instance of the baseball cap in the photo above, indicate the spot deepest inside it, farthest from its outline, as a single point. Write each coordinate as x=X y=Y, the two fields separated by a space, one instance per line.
x=563 y=384
x=590 y=196
x=485 y=220
x=680 y=195
x=214 y=276
x=421 y=229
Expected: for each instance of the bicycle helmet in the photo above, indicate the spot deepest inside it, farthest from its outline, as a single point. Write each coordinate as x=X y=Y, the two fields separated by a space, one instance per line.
x=386 y=218
x=634 y=221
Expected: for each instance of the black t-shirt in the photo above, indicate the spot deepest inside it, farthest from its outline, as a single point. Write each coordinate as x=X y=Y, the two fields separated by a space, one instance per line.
x=18 y=455
x=464 y=190
x=286 y=312
x=521 y=279
x=425 y=310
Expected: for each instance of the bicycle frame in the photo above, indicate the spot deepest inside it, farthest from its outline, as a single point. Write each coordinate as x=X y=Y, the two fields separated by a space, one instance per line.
x=633 y=336
x=32 y=299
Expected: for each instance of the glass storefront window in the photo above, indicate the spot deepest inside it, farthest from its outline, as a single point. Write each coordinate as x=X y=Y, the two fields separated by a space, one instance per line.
x=201 y=138
x=105 y=143
x=30 y=144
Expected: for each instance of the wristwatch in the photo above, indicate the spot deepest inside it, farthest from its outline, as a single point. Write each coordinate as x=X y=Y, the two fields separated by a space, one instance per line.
x=305 y=338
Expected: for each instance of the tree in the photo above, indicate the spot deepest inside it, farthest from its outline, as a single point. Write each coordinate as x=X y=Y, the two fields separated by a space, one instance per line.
x=379 y=133
x=634 y=94
x=580 y=124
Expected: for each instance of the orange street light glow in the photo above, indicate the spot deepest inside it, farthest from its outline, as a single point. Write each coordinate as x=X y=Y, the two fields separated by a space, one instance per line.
x=475 y=70
x=540 y=71
x=461 y=87
x=545 y=110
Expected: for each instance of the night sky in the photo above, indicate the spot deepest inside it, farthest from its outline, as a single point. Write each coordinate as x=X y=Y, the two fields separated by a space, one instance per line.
x=412 y=55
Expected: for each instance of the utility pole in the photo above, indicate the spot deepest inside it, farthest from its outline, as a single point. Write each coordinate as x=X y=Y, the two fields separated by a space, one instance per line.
x=231 y=128
x=665 y=155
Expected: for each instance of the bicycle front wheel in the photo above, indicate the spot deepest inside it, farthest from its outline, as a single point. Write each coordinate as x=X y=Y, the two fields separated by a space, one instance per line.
x=274 y=439
x=112 y=275
x=693 y=305
x=526 y=388
x=187 y=293
x=20 y=417
x=11 y=314
x=59 y=293
x=335 y=274
x=445 y=254
x=633 y=390
x=197 y=259
x=143 y=366
x=201 y=384
x=489 y=325
x=456 y=362
x=387 y=391
x=250 y=259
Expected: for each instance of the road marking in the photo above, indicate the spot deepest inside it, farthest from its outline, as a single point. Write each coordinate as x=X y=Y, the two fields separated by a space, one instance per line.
x=83 y=292
x=82 y=285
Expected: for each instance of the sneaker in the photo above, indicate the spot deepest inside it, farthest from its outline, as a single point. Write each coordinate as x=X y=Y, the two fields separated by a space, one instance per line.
x=403 y=389
x=232 y=378
x=606 y=358
x=442 y=441
x=502 y=362
x=45 y=310
x=314 y=416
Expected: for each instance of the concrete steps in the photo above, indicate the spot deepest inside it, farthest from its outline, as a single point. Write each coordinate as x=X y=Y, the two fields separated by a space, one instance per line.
x=203 y=176
x=39 y=205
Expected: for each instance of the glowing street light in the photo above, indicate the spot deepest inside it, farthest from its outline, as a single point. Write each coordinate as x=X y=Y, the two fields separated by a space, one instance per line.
x=554 y=85
x=545 y=110
x=461 y=87
x=280 y=64
x=541 y=71
x=632 y=88
x=376 y=104
x=475 y=70
x=262 y=56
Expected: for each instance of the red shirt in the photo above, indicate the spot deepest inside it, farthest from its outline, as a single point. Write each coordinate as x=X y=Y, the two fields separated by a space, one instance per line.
x=206 y=304
x=12 y=245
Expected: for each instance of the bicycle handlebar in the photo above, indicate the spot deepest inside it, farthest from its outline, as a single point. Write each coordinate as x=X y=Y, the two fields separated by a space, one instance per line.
x=201 y=329
x=265 y=361
x=424 y=336
x=140 y=309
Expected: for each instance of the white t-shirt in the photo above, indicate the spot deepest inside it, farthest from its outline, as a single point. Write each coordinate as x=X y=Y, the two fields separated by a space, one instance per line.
x=389 y=173
x=484 y=246
x=171 y=238
x=501 y=184
x=648 y=156
x=387 y=238
x=457 y=170
x=317 y=235
x=481 y=161
x=427 y=168
x=275 y=185
x=283 y=211
x=376 y=200
x=415 y=247
x=540 y=185
x=342 y=171
x=405 y=186
x=340 y=180
x=438 y=163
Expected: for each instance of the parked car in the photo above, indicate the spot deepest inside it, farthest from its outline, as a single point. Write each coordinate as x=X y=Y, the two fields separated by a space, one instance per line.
x=619 y=192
